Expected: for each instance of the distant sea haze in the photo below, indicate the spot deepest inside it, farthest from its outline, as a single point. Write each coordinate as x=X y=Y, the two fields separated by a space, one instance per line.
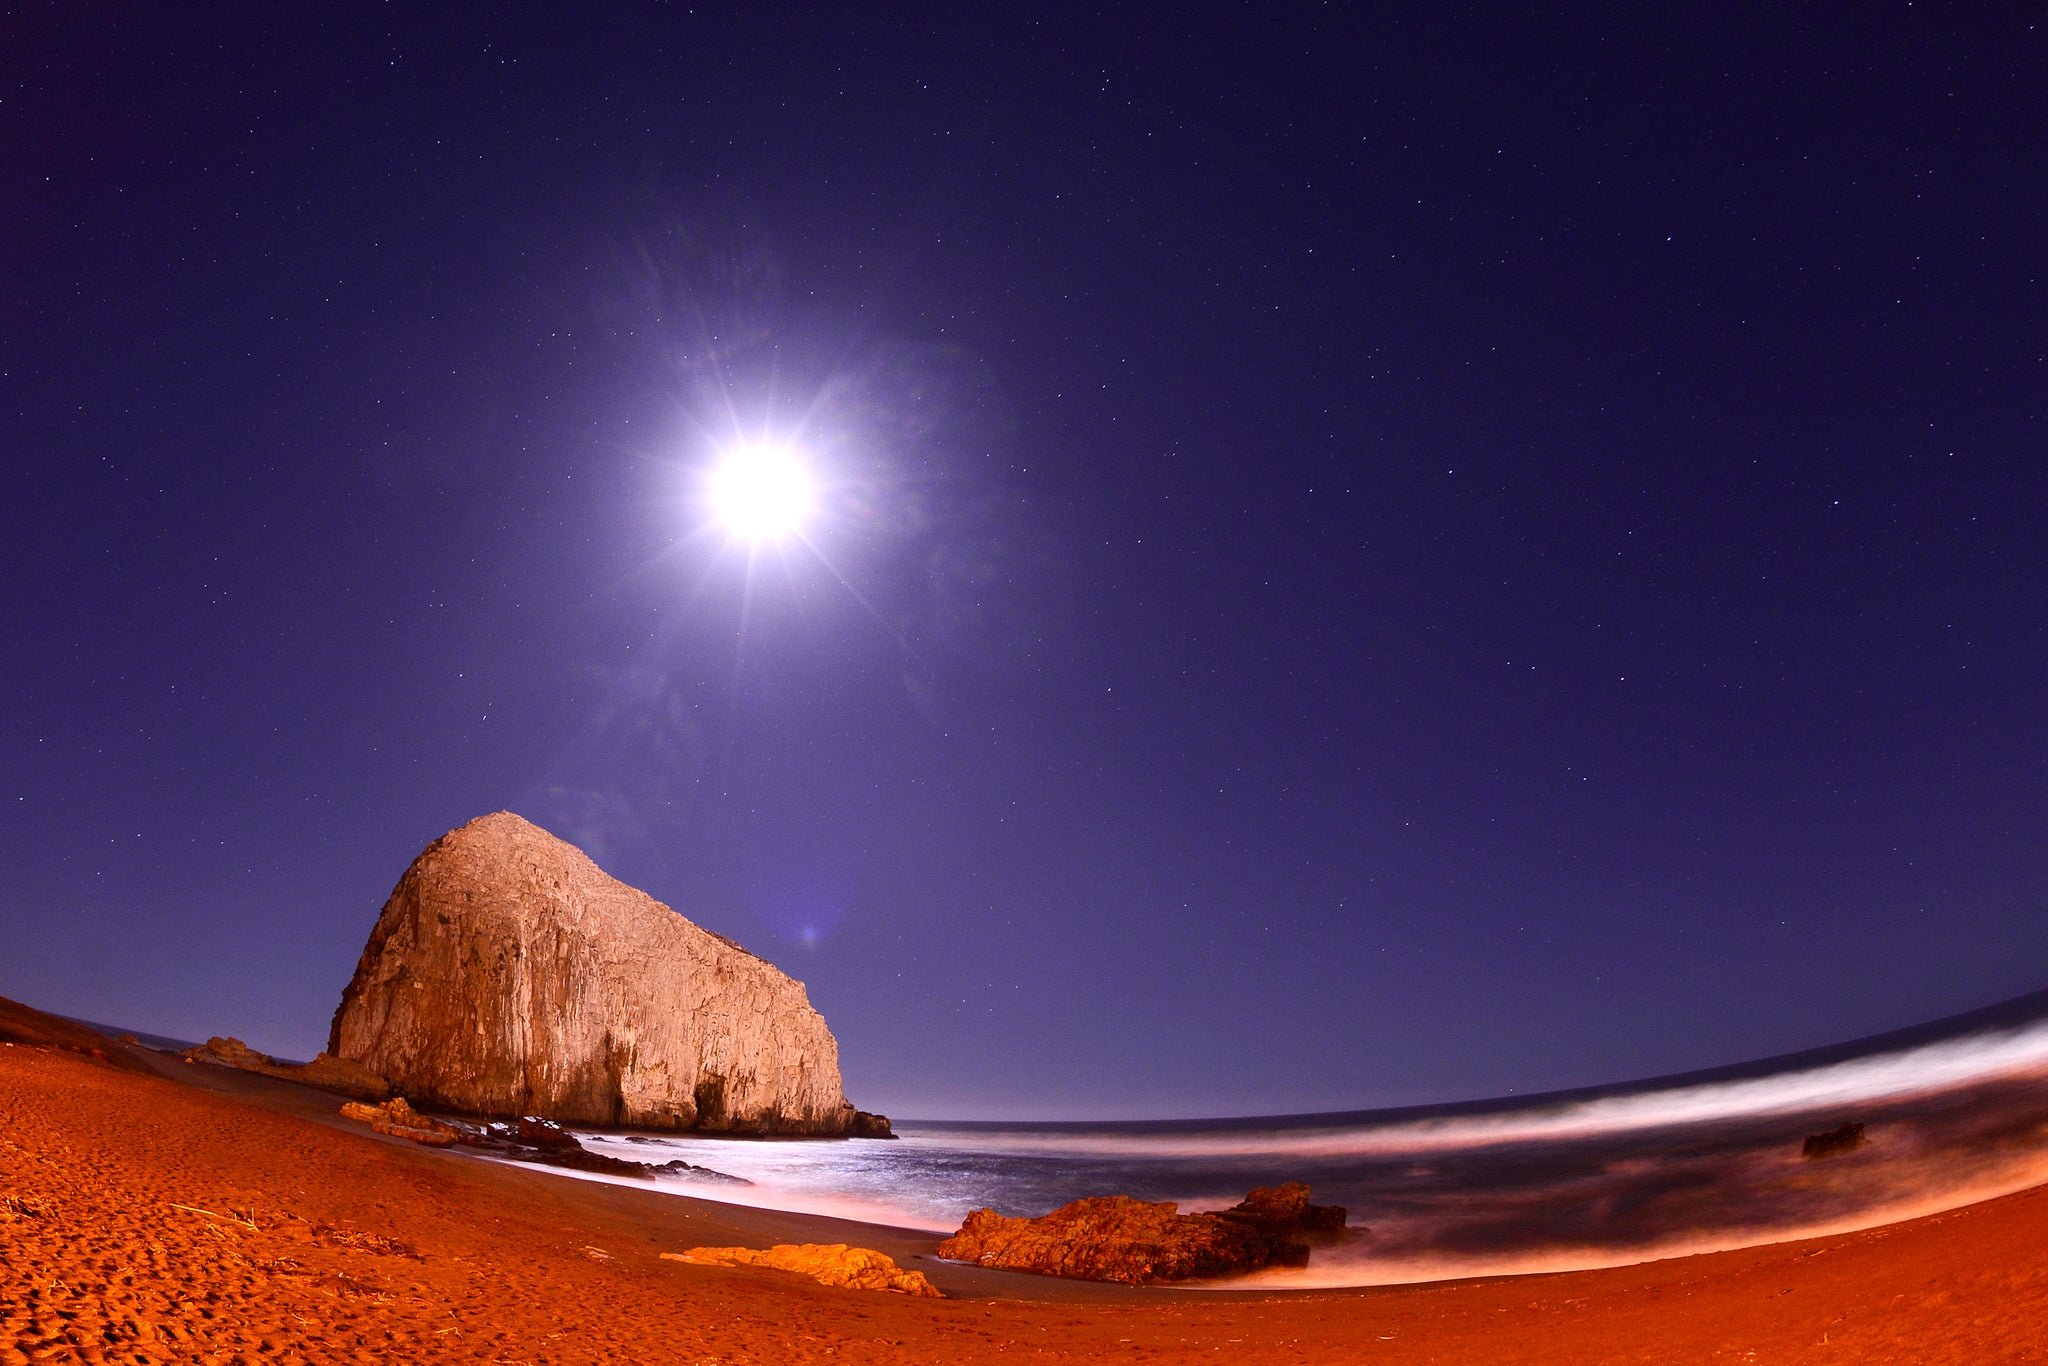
x=1951 y=1114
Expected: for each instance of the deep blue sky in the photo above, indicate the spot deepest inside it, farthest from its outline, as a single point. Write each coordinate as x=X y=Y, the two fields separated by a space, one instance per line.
x=1379 y=558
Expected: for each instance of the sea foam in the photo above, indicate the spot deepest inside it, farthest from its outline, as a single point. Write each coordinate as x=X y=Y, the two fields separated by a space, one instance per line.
x=1590 y=1179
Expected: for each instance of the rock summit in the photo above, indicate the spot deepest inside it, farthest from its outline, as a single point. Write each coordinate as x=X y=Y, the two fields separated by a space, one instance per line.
x=508 y=975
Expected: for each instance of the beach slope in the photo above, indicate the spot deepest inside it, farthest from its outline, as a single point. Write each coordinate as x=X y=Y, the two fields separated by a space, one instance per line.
x=148 y=1219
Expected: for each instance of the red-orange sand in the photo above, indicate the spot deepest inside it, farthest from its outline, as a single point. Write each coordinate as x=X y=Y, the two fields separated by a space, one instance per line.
x=145 y=1220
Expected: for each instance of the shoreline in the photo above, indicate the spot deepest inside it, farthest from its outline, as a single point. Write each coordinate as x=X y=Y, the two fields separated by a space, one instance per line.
x=188 y=1211
x=909 y=1245
x=906 y=1242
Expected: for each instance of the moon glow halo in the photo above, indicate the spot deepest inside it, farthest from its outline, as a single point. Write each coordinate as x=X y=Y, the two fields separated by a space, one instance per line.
x=761 y=492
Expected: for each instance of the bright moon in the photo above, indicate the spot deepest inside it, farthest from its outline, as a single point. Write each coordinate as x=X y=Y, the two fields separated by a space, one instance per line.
x=761 y=492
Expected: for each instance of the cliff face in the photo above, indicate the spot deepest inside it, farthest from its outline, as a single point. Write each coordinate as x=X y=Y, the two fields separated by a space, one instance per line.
x=509 y=975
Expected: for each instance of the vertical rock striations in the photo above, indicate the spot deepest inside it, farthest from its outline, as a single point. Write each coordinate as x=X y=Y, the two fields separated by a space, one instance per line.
x=509 y=975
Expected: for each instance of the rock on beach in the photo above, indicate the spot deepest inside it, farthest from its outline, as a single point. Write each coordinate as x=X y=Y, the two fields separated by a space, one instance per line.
x=508 y=975
x=1117 y=1238
x=400 y=1120
x=835 y=1264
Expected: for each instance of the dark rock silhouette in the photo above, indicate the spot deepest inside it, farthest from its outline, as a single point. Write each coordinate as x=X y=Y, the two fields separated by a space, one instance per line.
x=867 y=1125
x=1285 y=1211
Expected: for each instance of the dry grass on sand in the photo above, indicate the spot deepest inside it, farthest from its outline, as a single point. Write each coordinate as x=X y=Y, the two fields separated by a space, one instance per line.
x=144 y=1220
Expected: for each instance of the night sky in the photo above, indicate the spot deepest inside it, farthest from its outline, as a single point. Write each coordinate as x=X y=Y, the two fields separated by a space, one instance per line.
x=1363 y=557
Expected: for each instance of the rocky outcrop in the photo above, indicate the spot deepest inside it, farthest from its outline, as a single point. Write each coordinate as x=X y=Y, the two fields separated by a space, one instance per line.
x=508 y=976
x=539 y=1140
x=400 y=1120
x=1284 y=1212
x=1116 y=1238
x=525 y=1140
x=866 y=1125
x=852 y=1268
x=327 y=1072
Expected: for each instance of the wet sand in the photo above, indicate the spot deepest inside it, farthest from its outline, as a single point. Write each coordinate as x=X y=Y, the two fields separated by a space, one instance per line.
x=208 y=1215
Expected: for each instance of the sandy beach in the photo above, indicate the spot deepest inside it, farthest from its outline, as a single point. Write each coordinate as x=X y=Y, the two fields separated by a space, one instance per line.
x=152 y=1211
x=725 y=683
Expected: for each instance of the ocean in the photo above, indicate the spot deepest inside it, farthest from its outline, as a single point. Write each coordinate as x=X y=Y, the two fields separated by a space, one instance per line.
x=1951 y=1113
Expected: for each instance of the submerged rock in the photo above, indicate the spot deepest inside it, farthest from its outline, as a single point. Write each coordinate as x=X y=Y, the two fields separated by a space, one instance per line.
x=854 y=1268
x=1285 y=1211
x=1834 y=1142
x=528 y=1140
x=326 y=1071
x=1117 y=1238
x=508 y=975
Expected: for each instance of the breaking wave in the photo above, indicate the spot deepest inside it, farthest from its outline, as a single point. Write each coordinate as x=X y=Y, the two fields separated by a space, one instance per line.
x=1951 y=1113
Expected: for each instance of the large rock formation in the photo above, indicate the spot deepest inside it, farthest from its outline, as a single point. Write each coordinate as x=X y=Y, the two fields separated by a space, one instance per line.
x=509 y=975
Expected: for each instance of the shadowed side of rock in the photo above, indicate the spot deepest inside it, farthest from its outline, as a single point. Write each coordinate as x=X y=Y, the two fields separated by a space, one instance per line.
x=526 y=1140
x=508 y=975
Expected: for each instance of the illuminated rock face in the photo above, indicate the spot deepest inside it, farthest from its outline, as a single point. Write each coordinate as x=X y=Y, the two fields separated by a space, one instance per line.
x=509 y=975
x=1137 y=1242
x=854 y=1268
